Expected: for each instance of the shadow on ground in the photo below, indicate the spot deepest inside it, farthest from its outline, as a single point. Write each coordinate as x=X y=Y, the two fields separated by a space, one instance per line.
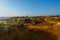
x=21 y=33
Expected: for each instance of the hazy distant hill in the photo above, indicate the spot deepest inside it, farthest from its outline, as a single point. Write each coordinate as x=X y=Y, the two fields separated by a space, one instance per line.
x=2 y=18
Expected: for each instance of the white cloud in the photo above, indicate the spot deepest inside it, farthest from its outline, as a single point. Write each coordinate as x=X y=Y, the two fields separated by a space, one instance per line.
x=5 y=10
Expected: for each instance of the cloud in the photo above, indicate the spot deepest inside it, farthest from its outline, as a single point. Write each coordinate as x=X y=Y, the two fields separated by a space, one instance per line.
x=5 y=10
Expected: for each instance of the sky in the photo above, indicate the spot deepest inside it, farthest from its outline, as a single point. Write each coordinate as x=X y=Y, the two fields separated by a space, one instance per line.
x=29 y=7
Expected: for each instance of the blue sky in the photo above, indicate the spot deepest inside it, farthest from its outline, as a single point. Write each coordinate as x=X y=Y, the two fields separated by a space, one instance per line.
x=29 y=7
